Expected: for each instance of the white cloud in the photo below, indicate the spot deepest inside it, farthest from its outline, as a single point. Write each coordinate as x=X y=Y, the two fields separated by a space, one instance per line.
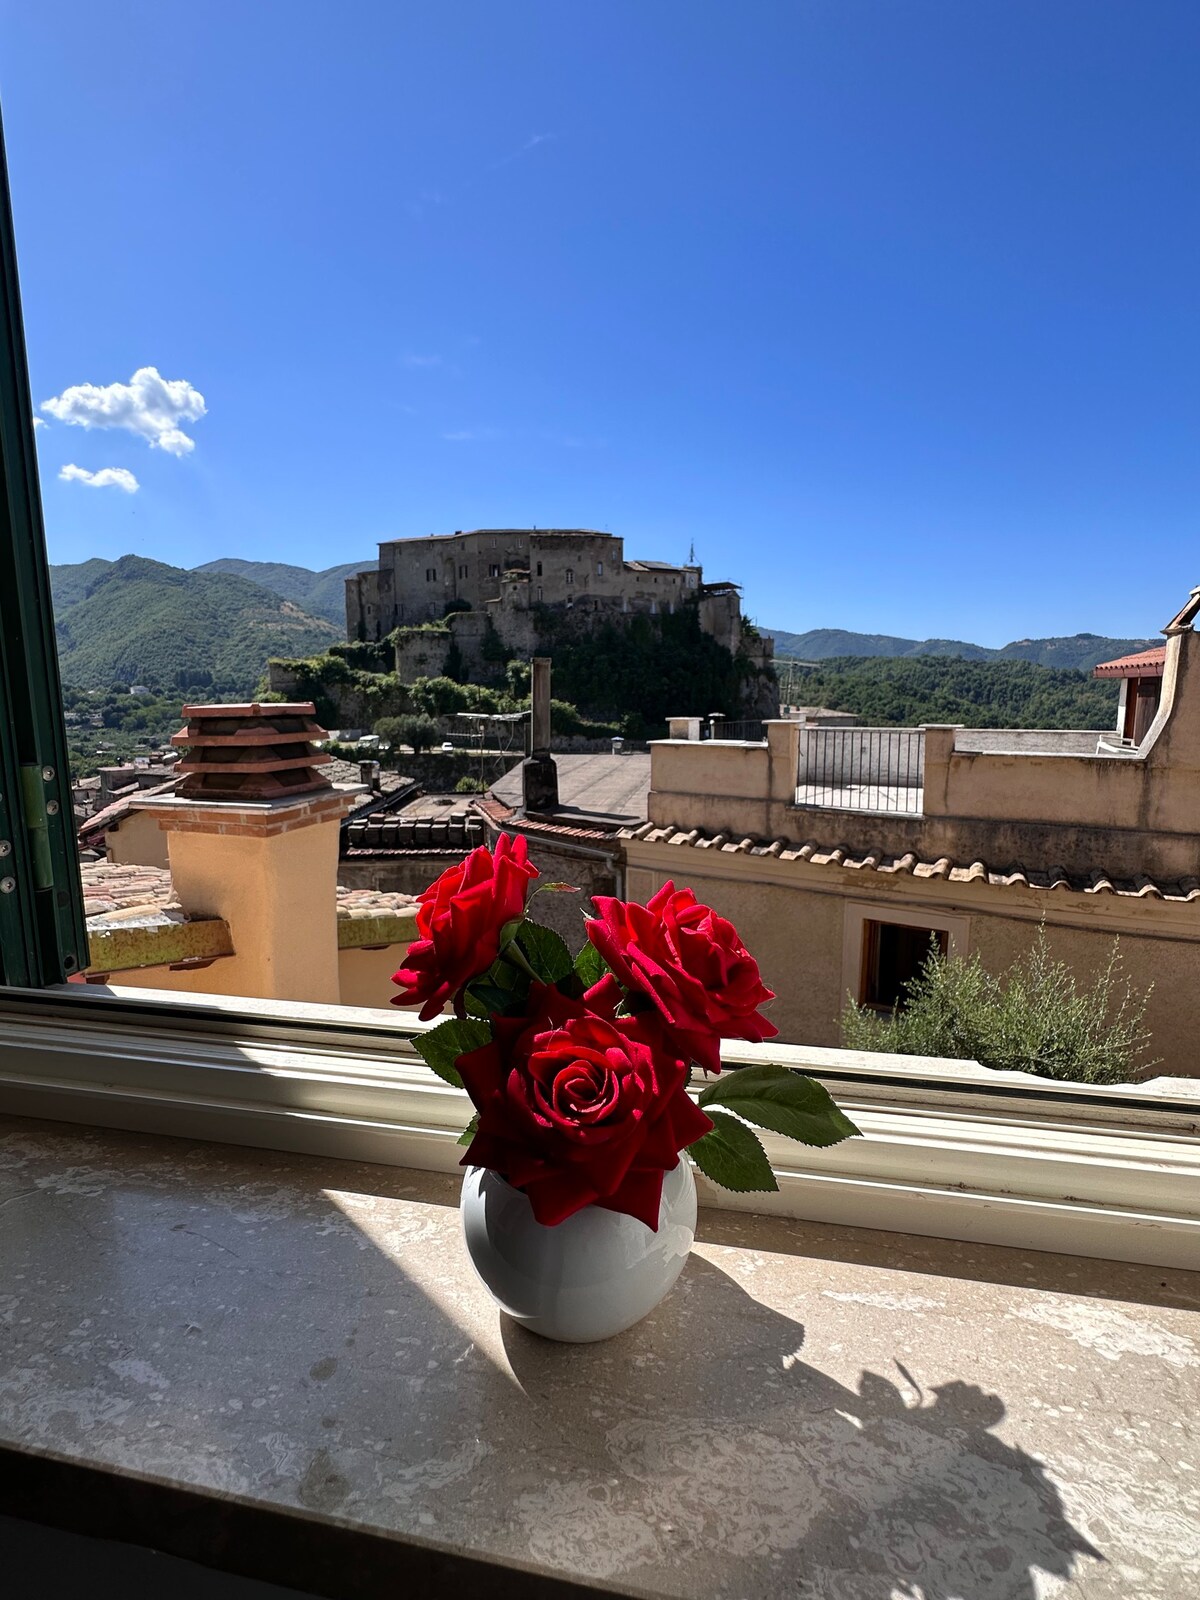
x=106 y=478
x=40 y=422
x=149 y=405
x=473 y=435
x=531 y=143
x=422 y=361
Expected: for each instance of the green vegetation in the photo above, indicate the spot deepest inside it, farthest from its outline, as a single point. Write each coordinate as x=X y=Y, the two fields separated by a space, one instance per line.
x=640 y=675
x=1036 y=1017
x=468 y=785
x=137 y=621
x=108 y=727
x=979 y=694
x=1079 y=651
x=419 y=733
x=320 y=594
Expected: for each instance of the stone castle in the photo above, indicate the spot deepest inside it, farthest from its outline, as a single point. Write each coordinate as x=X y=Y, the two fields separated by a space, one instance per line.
x=500 y=578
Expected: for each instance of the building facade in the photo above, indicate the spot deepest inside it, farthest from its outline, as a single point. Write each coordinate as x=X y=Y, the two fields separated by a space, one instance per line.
x=503 y=568
x=843 y=852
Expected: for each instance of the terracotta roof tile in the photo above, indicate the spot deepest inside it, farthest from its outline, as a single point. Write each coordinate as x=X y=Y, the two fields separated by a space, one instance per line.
x=1143 y=664
x=942 y=868
x=92 y=832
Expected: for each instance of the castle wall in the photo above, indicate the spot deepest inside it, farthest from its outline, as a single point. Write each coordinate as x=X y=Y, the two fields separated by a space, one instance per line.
x=520 y=567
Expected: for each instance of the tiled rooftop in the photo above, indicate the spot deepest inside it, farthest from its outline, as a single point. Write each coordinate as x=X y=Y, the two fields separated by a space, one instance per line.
x=370 y=902
x=1143 y=664
x=943 y=867
x=113 y=893
x=607 y=787
x=134 y=919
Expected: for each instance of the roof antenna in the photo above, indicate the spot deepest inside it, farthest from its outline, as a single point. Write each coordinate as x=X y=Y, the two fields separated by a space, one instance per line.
x=692 y=554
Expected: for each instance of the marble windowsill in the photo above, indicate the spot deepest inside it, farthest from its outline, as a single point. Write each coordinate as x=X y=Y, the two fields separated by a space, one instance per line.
x=284 y=1366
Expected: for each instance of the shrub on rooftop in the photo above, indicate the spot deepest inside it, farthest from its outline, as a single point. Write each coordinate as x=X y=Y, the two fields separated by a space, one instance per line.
x=1037 y=1016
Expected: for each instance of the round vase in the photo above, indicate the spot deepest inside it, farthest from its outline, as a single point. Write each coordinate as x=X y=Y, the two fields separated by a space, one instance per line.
x=587 y=1278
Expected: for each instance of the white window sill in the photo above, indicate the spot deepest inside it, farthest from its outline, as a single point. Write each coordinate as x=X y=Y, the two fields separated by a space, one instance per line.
x=948 y=1149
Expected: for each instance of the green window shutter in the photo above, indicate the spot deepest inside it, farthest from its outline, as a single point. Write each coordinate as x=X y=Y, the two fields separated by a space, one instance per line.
x=43 y=935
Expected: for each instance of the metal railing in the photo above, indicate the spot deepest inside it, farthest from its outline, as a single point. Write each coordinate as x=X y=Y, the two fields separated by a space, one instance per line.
x=862 y=769
x=751 y=732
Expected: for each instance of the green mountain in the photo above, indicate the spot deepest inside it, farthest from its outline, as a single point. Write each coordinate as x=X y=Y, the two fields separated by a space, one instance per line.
x=908 y=690
x=139 y=621
x=320 y=594
x=1080 y=651
x=69 y=584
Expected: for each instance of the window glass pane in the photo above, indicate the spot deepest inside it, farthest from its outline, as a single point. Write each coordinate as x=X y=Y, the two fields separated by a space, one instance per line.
x=893 y=955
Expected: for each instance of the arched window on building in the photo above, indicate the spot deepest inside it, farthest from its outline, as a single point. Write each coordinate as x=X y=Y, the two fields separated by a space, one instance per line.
x=599 y=569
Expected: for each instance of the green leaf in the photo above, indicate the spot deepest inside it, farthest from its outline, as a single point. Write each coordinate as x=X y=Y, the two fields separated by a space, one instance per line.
x=485 y=998
x=504 y=975
x=787 y=1103
x=509 y=932
x=589 y=965
x=469 y=1131
x=731 y=1155
x=441 y=1047
x=545 y=951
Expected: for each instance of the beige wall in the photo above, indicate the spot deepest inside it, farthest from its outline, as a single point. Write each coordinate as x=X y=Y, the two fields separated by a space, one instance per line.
x=794 y=915
x=365 y=976
x=1123 y=815
x=137 y=841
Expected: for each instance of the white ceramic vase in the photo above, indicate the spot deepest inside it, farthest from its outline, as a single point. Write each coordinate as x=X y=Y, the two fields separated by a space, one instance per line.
x=589 y=1277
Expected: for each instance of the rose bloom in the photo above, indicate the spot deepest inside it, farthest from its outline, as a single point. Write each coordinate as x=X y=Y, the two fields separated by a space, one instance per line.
x=459 y=919
x=691 y=963
x=579 y=1107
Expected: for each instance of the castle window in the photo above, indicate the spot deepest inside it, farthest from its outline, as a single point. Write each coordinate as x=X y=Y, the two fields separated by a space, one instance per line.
x=539 y=588
x=430 y=574
x=570 y=574
x=599 y=569
x=539 y=572
x=493 y=570
x=462 y=572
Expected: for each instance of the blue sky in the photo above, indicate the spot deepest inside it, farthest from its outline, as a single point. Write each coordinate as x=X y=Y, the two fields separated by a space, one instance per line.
x=891 y=307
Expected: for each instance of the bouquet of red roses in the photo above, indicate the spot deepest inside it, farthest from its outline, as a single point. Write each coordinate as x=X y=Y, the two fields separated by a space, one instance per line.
x=579 y=1069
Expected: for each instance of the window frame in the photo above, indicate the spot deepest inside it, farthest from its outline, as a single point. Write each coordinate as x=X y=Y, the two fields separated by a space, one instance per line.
x=1110 y=1172
x=858 y=913
x=948 y=1151
x=43 y=928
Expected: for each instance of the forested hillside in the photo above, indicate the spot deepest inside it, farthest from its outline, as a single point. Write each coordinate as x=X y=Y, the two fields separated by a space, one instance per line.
x=1080 y=651
x=321 y=594
x=979 y=694
x=139 y=621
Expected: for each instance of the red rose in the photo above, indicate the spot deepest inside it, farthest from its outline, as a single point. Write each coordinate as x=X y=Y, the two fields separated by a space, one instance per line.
x=691 y=963
x=579 y=1107
x=459 y=919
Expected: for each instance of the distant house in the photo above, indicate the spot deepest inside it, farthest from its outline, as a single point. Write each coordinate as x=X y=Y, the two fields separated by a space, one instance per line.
x=845 y=851
x=1141 y=678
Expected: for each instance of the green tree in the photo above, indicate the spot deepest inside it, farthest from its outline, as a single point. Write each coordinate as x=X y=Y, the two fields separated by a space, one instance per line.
x=418 y=732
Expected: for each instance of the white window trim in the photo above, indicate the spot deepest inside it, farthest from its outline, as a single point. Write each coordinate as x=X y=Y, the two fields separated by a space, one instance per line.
x=858 y=912
x=949 y=1151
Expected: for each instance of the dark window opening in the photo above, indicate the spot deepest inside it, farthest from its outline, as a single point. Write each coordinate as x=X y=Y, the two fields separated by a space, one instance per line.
x=893 y=955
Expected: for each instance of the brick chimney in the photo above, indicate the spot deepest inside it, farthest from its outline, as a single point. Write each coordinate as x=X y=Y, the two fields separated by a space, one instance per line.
x=252 y=838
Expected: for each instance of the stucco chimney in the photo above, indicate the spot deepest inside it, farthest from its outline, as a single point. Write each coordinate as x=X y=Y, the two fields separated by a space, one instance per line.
x=252 y=838
x=539 y=775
